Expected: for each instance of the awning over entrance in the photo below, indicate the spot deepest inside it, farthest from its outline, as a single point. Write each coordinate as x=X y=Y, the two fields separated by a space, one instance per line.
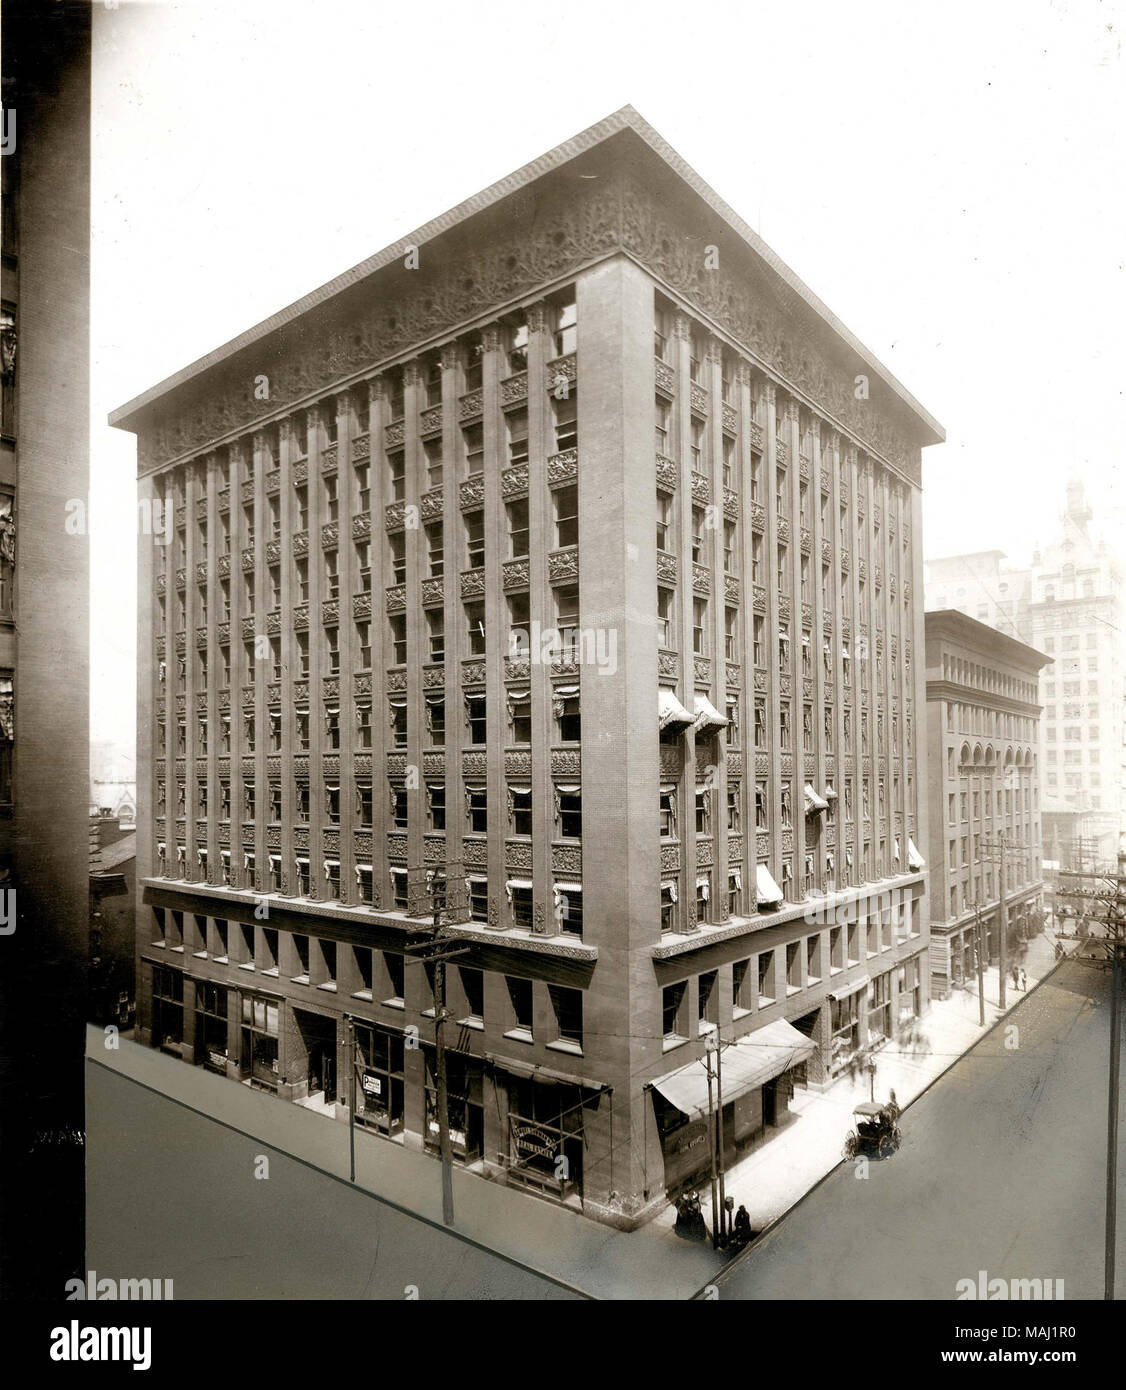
x=707 y=716
x=914 y=859
x=751 y=1062
x=671 y=714
x=846 y=990
x=529 y=1071
x=813 y=802
x=767 y=891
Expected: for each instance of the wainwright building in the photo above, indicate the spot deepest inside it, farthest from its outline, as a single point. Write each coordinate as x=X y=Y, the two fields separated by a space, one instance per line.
x=569 y=583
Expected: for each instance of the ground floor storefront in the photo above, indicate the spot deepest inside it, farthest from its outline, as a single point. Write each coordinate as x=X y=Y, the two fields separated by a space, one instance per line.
x=560 y=1133
x=955 y=946
x=742 y=1091
x=522 y=1124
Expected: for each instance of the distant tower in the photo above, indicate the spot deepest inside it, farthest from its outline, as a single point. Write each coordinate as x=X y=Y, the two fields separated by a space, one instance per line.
x=1077 y=510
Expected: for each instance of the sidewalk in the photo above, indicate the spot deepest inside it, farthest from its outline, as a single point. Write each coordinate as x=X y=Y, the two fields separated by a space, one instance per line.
x=770 y=1179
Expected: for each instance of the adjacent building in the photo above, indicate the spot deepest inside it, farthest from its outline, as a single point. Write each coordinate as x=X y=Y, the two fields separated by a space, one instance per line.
x=983 y=789
x=44 y=627
x=556 y=576
x=1069 y=603
x=111 y=994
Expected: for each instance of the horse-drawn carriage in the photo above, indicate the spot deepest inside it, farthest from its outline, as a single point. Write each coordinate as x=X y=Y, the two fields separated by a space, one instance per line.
x=876 y=1133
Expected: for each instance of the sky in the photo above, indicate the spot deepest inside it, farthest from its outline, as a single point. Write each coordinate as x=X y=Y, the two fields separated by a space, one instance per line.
x=947 y=178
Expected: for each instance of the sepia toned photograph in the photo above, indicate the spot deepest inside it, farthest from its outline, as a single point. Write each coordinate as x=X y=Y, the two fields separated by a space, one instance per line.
x=562 y=677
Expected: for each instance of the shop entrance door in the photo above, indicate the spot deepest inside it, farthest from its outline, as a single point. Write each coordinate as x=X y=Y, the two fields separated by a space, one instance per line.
x=322 y=1070
x=318 y=1035
x=770 y=1102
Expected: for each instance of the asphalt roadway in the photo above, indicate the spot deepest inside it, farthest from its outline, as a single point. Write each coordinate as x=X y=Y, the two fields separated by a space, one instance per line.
x=1002 y=1168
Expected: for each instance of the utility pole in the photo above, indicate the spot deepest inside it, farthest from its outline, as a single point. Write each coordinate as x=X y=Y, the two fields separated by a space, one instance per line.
x=1002 y=921
x=440 y=1078
x=719 y=1131
x=712 y=1137
x=350 y=1054
x=1117 y=968
x=1110 y=949
x=979 y=952
x=438 y=895
x=438 y=958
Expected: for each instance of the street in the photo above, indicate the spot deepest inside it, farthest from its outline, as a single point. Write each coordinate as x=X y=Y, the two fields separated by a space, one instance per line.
x=204 y=1225
x=1002 y=1169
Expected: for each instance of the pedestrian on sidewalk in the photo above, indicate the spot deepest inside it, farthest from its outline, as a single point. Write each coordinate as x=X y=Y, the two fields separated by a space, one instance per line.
x=1023 y=978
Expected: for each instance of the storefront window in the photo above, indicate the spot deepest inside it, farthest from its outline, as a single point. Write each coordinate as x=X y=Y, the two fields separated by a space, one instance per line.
x=465 y=1108
x=379 y=1078
x=167 y=1007
x=545 y=1134
x=259 y=1059
x=211 y=1026
x=879 y=1007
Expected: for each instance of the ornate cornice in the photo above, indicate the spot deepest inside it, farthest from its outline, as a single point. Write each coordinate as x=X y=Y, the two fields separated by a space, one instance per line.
x=619 y=213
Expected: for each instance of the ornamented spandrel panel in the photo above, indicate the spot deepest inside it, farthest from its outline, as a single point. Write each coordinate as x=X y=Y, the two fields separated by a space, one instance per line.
x=506 y=257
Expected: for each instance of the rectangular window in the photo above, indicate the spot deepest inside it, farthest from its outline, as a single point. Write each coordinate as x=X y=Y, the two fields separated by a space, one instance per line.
x=566 y=503
x=435 y=472
x=567 y=1007
x=570 y=815
x=398 y=624
x=519 y=998
x=475 y=628
x=516 y=430
x=664 y=514
x=517 y=513
x=476 y=800
x=473 y=441
x=566 y=423
x=672 y=1011
x=475 y=539
x=476 y=719
x=436 y=631
x=520 y=810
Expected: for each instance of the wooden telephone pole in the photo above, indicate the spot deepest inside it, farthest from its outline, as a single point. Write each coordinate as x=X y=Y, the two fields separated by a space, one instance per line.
x=1108 y=950
x=429 y=952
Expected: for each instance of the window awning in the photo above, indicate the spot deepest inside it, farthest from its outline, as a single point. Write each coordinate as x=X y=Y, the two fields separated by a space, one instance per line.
x=813 y=802
x=767 y=891
x=671 y=714
x=846 y=990
x=914 y=859
x=750 y=1063
x=707 y=716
